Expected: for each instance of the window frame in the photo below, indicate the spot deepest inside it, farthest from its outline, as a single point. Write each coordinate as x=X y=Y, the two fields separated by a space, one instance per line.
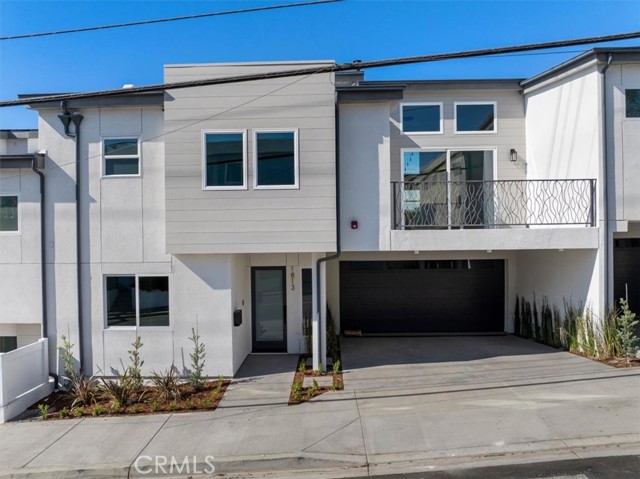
x=439 y=104
x=475 y=132
x=105 y=156
x=245 y=168
x=631 y=118
x=296 y=159
x=19 y=226
x=137 y=298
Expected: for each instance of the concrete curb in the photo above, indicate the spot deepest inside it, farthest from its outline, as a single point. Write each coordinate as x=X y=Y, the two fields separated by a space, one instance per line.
x=335 y=466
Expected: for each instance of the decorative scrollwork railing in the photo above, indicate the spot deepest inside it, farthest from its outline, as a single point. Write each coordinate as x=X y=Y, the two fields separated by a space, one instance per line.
x=493 y=204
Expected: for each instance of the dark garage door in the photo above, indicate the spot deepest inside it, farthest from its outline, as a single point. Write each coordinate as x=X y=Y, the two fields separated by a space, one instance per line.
x=459 y=296
x=626 y=271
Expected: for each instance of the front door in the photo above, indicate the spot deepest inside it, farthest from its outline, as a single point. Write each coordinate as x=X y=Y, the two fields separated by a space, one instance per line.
x=269 y=309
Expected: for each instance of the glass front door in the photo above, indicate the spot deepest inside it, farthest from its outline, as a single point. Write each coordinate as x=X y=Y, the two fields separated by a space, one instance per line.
x=269 y=310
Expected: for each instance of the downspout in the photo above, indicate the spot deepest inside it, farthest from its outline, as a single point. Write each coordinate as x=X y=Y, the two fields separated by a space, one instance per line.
x=338 y=251
x=43 y=260
x=605 y=187
x=76 y=118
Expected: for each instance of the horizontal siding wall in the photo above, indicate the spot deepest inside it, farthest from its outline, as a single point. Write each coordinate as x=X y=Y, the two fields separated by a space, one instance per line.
x=244 y=221
x=510 y=132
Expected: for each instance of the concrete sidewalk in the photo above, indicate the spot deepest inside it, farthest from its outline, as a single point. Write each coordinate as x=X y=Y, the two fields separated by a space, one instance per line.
x=521 y=402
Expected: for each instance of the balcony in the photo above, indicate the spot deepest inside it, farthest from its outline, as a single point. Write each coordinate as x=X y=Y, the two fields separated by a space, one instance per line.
x=422 y=205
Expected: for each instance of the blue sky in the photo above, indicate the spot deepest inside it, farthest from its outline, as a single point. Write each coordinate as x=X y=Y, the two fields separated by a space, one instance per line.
x=353 y=29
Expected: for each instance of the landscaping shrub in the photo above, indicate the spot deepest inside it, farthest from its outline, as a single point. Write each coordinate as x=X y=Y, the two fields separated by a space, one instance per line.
x=135 y=365
x=167 y=384
x=626 y=330
x=196 y=378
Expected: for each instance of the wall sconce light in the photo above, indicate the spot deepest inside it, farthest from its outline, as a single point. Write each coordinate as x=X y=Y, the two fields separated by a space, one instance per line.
x=513 y=155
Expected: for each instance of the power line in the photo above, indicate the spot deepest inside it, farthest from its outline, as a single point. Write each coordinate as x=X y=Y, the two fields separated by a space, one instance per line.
x=165 y=20
x=356 y=65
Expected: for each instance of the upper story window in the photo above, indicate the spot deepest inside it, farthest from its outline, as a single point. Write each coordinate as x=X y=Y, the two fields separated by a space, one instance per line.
x=475 y=117
x=276 y=159
x=137 y=300
x=421 y=118
x=225 y=160
x=121 y=157
x=9 y=213
x=632 y=97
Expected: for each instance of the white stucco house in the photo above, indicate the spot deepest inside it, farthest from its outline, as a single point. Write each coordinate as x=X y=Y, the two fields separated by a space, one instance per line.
x=417 y=207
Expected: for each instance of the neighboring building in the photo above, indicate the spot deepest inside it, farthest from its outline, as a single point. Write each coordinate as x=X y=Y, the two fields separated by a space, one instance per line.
x=212 y=207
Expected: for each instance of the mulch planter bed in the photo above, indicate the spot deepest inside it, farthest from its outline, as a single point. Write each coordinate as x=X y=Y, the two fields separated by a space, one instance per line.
x=614 y=362
x=336 y=383
x=206 y=399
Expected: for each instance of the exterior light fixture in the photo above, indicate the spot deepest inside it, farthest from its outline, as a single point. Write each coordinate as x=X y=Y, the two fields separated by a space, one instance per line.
x=513 y=155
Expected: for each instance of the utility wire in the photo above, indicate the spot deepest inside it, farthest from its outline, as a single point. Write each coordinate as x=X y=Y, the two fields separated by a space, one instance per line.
x=355 y=65
x=165 y=20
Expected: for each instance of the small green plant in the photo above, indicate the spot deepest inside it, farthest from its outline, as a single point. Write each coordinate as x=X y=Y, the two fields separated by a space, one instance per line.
x=43 y=411
x=191 y=406
x=135 y=365
x=302 y=367
x=196 y=378
x=98 y=410
x=219 y=384
x=155 y=406
x=82 y=390
x=207 y=403
x=63 y=413
x=78 y=412
x=626 y=328
x=336 y=367
x=313 y=390
x=296 y=391
x=116 y=406
x=136 y=408
x=66 y=356
x=173 y=406
x=167 y=384
x=120 y=390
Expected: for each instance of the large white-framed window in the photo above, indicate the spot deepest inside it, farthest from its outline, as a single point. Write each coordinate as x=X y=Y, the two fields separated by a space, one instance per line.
x=475 y=117
x=276 y=162
x=121 y=156
x=140 y=300
x=224 y=160
x=9 y=214
x=421 y=118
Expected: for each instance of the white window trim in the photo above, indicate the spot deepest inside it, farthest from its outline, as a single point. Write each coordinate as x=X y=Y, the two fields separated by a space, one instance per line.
x=476 y=132
x=296 y=159
x=137 y=289
x=245 y=183
x=431 y=103
x=624 y=115
x=104 y=156
x=18 y=231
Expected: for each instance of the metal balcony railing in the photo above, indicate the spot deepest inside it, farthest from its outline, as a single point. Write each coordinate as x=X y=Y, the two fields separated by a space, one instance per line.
x=493 y=204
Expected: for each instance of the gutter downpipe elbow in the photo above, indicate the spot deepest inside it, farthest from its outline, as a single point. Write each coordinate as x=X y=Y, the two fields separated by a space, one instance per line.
x=67 y=119
x=605 y=187
x=338 y=245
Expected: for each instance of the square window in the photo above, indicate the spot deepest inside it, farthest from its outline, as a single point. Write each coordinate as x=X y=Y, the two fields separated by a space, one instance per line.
x=8 y=343
x=224 y=160
x=475 y=117
x=632 y=97
x=276 y=154
x=8 y=213
x=137 y=301
x=121 y=157
x=421 y=118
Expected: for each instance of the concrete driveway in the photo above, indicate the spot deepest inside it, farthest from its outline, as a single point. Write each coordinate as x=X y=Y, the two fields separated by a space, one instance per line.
x=424 y=400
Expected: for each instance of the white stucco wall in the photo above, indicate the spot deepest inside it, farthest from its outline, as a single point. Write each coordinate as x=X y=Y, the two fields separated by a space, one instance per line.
x=571 y=275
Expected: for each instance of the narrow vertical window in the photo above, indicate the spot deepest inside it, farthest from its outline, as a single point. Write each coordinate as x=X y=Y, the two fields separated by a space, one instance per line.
x=632 y=101
x=276 y=155
x=224 y=161
x=8 y=213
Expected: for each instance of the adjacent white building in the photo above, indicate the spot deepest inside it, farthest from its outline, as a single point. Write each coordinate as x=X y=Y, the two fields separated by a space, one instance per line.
x=223 y=207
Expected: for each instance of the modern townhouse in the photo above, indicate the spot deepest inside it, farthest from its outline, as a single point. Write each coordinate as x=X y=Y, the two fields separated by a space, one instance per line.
x=240 y=209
